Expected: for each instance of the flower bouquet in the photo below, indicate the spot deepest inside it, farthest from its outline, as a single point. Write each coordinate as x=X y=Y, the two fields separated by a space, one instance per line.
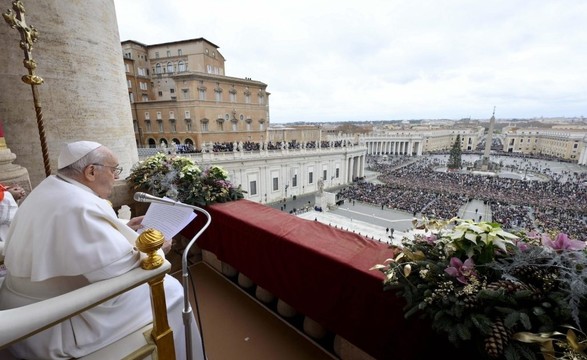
x=181 y=179
x=513 y=296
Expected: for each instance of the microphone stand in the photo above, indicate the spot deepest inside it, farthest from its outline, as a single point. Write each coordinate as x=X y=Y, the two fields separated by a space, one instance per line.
x=187 y=308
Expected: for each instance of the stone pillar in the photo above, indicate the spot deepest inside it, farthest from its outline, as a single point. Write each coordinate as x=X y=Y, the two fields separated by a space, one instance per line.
x=11 y=173
x=84 y=95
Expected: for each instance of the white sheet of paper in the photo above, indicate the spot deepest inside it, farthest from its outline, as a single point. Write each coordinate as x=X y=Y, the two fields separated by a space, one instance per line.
x=168 y=219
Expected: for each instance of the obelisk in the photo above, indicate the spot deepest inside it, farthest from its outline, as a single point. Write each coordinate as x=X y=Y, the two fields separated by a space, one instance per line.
x=488 y=141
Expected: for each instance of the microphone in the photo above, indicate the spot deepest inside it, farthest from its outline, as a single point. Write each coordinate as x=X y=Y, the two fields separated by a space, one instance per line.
x=144 y=197
x=187 y=314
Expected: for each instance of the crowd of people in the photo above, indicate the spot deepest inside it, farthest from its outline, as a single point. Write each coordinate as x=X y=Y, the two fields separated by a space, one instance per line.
x=557 y=203
x=254 y=146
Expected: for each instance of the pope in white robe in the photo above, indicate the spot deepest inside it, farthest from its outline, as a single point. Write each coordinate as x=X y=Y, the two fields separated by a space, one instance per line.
x=63 y=237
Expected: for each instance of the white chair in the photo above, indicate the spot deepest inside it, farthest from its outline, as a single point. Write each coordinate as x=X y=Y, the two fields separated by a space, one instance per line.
x=154 y=341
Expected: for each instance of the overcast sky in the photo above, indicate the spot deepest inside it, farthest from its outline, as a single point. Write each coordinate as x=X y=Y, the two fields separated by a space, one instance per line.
x=357 y=60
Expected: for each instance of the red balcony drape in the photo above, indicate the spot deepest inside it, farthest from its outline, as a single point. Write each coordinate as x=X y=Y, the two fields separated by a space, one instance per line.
x=322 y=272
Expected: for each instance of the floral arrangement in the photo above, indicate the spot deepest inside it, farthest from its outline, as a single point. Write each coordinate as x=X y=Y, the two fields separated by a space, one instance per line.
x=511 y=296
x=181 y=179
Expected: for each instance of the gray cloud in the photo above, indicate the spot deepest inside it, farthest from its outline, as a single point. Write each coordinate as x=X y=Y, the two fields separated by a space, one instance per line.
x=388 y=59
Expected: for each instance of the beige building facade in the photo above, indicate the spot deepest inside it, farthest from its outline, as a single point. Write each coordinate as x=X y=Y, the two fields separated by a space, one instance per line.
x=565 y=143
x=179 y=92
x=418 y=141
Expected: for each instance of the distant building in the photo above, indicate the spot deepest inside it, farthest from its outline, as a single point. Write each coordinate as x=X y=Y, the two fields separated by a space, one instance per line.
x=561 y=141
x=179 y=92
x=419 y=140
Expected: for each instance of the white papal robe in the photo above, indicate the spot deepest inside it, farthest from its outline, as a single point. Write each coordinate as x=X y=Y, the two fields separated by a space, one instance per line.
x=8 y=207
x=64 y=236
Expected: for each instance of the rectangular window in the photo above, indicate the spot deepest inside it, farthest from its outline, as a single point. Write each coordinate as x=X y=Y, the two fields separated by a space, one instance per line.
x=310 y=177
x=147 y=116
x=337 y=173
x=129 y=83
x=253 y=187
x=173 y=126
x=172 y=115
x=127 y=68
x=247 y=99
x=131 y=97
x=168 y=53
x=158 y=115
x=218 y=96
x=185 y=93
x=324 y=175
x=145 y=98
x=188 y=125
x=294 y=180
x=160 y=123
x=202 y=94
x=172 y=91
x=248 y=126
x=148 y=126
x=232 y=97
x=205 y=126
x=220 y=125
x=179 y=53
x=275 y=184
x=187 y=115
x=160 y=93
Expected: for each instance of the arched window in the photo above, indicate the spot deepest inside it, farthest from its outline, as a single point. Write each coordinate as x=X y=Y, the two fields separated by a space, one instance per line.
x=169 y=68
x=181 y=66
x=158 y=68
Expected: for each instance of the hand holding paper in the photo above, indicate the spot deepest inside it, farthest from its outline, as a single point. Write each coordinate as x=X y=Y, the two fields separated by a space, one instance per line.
x=170 y=220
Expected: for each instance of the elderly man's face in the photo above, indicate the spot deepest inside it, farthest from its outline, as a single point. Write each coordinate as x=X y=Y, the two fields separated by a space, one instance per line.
x=105 y=175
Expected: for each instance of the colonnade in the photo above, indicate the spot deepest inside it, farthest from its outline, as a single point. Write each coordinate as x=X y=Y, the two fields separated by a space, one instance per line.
x=356 y=167
x=393 y=147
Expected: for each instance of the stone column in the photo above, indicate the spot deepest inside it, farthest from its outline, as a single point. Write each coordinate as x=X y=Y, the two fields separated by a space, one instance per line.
x=11 y=173
x=84 y=95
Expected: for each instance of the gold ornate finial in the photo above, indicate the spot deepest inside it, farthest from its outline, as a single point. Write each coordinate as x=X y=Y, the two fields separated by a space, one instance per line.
x=149 y=241
x=28 y=36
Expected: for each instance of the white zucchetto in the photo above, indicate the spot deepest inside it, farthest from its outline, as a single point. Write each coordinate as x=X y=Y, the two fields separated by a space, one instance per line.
x=74 y=151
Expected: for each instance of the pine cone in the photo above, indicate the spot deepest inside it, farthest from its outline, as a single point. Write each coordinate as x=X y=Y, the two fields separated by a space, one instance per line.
x=508 y=286
x=498 y=339
x=533 y=274
x=470 y=301
x=511 y=287
x=526 y=272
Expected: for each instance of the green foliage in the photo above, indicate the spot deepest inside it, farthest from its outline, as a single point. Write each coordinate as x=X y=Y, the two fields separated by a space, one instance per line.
x=466 y=277
x=180 y=179
x=454 y=160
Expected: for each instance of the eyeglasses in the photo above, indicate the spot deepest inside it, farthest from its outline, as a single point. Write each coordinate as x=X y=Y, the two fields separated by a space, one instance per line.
x=116 y=170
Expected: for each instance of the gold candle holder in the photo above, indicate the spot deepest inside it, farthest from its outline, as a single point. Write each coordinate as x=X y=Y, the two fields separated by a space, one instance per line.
x=148 y=242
